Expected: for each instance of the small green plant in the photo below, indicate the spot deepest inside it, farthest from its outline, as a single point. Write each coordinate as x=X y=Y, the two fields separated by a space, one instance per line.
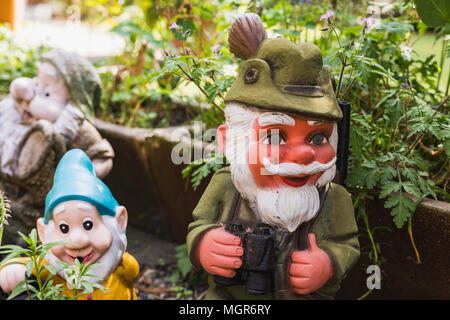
x=44 y=287
x=399 y=124
x=184 y=272
x=5 y=210
x=76 y=272
x=201 y=169
x=182 y=292
x=205 y=73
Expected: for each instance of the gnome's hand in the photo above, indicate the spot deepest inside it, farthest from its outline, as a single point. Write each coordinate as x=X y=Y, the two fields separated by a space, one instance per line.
x=11 y=275
x=219 y=252
x=22 y=89
x=310 y=269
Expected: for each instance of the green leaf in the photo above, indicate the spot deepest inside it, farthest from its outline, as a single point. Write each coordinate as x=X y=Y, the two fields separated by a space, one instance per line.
x=387 y=173
x=392 y=202
x=389 y=188
x=175 y=277
x=20 y=288
x=29 y=267
x=433 y=13
x=403 y=211
x=446 y=146
x=50 y=245
x=185 y=266
x=411 y=189
x=51 y=269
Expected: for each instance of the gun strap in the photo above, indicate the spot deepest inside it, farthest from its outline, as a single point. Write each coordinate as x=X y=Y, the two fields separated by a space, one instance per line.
x=235 y=205
x=302 y=232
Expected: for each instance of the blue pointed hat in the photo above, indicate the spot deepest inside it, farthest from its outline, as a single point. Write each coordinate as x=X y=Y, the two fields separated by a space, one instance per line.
x=75 y=179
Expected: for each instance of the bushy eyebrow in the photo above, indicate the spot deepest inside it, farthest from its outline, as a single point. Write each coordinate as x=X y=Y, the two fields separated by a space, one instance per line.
x=84 y=206
x=315 y=122
x=52 y=73
x=273 y=118
x=59 y=209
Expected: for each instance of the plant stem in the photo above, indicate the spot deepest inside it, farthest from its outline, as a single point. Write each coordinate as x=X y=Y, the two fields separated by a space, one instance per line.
x=348 y=89
x=369 y=233
x=200 y=88
x=372 y=241
x=337 y=37
x=441 y=63
x=2 y=216
x=367 y=293
x=38 y=274
x=340 y=76
x=412 y=239
x=28 y=288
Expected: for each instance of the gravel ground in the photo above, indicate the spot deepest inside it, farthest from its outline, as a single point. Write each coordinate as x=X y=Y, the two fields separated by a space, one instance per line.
x=154 y=284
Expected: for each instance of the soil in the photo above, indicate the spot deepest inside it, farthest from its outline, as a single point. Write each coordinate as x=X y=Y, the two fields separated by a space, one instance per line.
x=154 y=284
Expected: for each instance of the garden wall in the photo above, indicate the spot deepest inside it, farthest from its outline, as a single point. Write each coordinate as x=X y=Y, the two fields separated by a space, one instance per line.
x=146 y=181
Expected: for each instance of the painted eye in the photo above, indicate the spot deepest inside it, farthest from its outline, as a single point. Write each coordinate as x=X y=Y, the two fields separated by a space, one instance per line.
x=64 y=227
x=318 y=139
x=47 y=94
x=273 y=138
x=88 y=224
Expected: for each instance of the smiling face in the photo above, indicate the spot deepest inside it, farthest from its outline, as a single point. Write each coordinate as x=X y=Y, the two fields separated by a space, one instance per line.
x=278 y=162
x=292 y=141
x=80 y=223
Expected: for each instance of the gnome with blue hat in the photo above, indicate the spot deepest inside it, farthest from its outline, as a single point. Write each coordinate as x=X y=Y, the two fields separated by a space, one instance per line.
x=80 y=209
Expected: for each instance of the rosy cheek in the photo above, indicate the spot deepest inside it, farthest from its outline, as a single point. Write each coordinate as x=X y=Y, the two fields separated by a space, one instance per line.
x=325 y=153
x=58 y=251
x=102 y=240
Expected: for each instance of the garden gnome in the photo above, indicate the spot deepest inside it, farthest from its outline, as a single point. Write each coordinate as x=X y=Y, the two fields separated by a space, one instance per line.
x=273 y=225
x=42 y=118
x=80 y=209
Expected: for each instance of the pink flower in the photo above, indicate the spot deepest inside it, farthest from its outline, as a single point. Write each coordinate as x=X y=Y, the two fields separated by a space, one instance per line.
x=327 y=15
x=215 y=48
x=173 y=26
x=368 y=22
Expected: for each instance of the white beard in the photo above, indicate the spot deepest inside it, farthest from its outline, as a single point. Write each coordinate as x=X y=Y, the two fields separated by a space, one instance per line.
x=285 y=207
x=108 y=262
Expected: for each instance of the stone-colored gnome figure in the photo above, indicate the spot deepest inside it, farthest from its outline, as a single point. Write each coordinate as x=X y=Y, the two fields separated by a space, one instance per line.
x=80 y=210
x=40 y=119
x=273 y=225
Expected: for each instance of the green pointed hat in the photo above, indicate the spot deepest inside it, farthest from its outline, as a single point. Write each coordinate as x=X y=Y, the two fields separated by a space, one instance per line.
x=81 y=79
x=279 y=75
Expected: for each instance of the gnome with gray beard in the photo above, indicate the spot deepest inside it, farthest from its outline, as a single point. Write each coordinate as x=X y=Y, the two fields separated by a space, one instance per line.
x=273 y=225
x=40 y=119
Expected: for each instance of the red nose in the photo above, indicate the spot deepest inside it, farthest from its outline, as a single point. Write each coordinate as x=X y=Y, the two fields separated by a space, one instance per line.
x=301 y=154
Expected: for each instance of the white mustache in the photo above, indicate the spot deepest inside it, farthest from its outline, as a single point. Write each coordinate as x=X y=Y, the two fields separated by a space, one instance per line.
x=294 y=169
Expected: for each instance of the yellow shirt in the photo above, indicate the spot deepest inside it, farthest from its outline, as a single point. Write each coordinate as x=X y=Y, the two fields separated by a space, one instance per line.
x=119 y=283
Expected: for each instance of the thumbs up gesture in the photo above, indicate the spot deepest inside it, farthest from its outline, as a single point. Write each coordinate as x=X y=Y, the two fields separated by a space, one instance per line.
x=310 y=269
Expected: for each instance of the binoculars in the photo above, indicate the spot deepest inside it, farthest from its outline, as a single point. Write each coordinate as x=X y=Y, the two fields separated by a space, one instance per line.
x=256 y=271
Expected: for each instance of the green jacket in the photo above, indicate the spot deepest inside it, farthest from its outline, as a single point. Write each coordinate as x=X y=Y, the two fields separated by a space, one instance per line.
x=335 y=229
